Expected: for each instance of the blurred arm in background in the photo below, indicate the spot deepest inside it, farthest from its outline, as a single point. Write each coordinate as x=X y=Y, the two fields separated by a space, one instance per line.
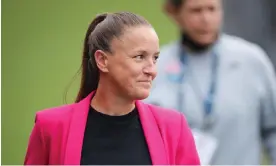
x=268 y=111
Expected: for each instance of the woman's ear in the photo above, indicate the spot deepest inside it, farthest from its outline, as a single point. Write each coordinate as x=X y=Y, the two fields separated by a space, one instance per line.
x=169 y=9
x=101 y=60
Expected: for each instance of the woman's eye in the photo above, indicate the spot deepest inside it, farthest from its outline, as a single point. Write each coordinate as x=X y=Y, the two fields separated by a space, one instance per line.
x=156 y=58
x=139 y=57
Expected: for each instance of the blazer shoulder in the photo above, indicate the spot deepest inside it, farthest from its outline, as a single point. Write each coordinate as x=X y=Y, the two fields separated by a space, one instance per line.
x=169 y=117
x=55 y=115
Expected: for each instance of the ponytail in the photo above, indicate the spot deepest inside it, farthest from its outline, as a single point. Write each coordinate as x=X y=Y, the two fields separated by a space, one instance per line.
x=90 y=72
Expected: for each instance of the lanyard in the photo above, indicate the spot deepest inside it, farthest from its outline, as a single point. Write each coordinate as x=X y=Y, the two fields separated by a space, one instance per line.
x=209 y=99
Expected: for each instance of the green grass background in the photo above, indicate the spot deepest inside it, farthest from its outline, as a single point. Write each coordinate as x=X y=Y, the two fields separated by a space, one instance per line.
x=41 y=52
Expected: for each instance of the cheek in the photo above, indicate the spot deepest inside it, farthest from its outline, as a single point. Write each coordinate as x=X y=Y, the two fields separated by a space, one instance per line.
x=190 y=23
x=218 y=20
x=126 y=74
x=132 y=72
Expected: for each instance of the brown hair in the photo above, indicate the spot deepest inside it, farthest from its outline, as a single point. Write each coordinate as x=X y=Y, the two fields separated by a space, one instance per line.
x=175 y=3
x=99 y=35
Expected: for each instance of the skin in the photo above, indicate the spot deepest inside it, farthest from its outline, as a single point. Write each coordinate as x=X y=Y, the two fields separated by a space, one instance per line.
x=126 y=74
x=201 y=19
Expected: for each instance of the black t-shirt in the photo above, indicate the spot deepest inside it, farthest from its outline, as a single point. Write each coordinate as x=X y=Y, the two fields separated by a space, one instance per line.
x=114 y=140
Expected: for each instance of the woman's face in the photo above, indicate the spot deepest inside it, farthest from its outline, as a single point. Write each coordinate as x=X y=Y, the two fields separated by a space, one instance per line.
x=132 y=66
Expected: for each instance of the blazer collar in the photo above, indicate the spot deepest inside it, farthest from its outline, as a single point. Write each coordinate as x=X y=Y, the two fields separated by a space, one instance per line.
x=152 y=134
x=77 y=128
x=76 y=131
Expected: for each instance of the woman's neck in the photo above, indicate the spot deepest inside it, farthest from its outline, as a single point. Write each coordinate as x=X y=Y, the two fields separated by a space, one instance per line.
x=107 y=101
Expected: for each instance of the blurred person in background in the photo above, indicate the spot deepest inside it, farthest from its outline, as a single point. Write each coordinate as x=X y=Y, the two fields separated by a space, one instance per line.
x=223 y=84
x=108 y=125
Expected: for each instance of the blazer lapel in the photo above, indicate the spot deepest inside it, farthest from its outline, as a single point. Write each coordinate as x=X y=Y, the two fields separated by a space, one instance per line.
x=76 y=132
x=153 y=135
x=77 y=128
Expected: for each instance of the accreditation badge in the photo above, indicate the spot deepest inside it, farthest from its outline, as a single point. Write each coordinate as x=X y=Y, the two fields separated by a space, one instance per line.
x=206 y=145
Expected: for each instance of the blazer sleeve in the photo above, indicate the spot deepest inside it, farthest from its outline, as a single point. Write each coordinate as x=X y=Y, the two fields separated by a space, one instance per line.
x=186 y=150
x=37 y=153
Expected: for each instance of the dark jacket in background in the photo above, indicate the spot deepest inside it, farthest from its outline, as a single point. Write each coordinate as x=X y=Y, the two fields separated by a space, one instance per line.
x=253 y=20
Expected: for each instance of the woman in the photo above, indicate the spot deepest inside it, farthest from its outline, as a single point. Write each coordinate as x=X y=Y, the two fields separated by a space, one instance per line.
x=108 y=124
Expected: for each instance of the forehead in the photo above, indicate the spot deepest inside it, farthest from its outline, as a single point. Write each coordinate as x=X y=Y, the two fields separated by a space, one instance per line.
x=201 y=3
x=136 y=38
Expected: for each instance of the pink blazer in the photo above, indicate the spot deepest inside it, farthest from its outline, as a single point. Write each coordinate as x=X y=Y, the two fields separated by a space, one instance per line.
x=57 y=136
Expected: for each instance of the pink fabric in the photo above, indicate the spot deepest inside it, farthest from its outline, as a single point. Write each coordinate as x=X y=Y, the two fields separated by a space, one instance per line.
x=57 y=136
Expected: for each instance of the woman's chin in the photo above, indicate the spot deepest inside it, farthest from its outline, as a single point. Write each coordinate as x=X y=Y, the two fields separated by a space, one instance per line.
x=142 y=94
